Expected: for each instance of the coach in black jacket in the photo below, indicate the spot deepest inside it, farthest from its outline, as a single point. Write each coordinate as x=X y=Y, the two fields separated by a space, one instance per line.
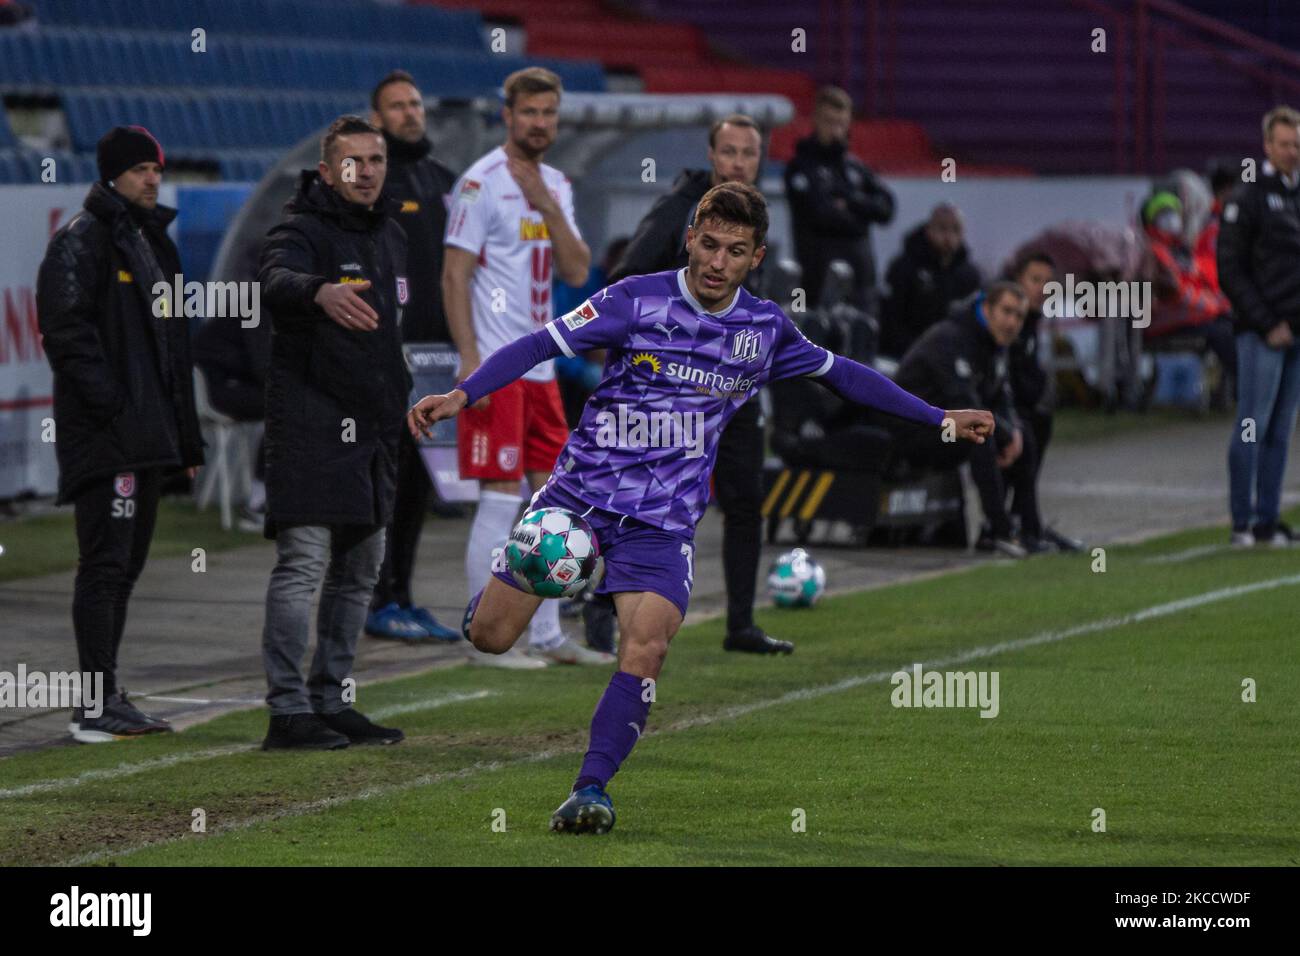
x=735 y=151
x=962 y=363
x=834 y=200
x=123 y=398
x=416 y=184
x=1259 y=270
x=333 y=275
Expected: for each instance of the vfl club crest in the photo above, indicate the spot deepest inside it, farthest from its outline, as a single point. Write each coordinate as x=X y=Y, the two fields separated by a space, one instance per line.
x=745 y=345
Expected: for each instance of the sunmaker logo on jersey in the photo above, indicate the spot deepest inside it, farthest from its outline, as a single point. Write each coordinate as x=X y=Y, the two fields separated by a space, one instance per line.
x=626 y=427
x=713 y=382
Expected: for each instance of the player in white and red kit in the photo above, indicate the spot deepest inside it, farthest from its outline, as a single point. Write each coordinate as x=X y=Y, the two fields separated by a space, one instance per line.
x=511 y=224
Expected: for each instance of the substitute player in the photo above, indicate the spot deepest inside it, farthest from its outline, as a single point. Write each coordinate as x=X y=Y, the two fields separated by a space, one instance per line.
x=511 y=221
x=687 y=349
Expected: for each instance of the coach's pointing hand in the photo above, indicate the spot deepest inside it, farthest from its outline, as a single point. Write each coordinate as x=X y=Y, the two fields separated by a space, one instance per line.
x=972 y=424
x=342 y=304
x=434 y=408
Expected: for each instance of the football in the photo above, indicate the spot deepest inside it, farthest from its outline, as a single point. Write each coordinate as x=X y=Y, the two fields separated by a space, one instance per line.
x=796 y=580
x=553 y=553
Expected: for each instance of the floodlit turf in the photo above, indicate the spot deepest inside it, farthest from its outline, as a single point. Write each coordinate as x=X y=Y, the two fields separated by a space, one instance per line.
x=1142 y=718
x=49 y=543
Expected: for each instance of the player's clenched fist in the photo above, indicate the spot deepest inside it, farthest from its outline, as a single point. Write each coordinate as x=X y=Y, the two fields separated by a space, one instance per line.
x=433 y=408
x=971 y=424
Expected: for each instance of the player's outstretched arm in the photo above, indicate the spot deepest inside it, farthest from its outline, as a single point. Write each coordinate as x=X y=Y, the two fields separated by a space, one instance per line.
x=502 y=367
x=865 y=386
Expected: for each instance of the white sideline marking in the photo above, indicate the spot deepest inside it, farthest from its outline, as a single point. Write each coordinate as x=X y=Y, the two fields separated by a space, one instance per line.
x=730 y=713
x=121 y=770
x=429 y=703
x=171 y=760
x=203 y=700
x=1174 y=557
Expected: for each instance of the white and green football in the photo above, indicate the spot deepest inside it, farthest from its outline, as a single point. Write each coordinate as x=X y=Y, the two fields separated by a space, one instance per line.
x=553 y=553
x=796 y=580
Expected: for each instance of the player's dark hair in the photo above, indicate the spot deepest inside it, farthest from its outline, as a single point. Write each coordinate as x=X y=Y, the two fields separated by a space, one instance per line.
x=1028 y=258
x=735 y=119
x=530 y=80
x=346 y=125
x=834 y=97
x=734 y=203
x=396 y=76
x=1002 y=287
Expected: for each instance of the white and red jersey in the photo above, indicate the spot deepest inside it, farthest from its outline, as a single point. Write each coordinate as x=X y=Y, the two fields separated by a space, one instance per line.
x=510 y=293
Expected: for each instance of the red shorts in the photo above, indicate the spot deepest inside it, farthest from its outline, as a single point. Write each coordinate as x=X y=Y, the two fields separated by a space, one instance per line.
x=522 y=429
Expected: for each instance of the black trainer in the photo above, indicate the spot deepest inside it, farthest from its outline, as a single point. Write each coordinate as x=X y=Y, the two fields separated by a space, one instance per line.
x=1062 y=541
x=754 y=641
x=359 y=729
x=302 y=732
x=119 y=720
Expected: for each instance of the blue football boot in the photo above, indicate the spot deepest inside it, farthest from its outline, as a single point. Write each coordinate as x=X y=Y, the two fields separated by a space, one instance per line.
x=393 y=623
x=588 y=810
x=435 y=629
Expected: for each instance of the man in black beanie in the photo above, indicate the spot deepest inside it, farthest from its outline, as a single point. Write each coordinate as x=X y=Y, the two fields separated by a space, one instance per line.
x=123 y=401
x=417 y=183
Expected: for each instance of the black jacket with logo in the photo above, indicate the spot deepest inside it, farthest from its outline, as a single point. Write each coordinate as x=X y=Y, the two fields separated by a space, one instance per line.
x=659 y=243
x=834 y=200
x=958 y=364
x=123 y=376
x=323 y=376
x=418 y=184
x=922 y=290
x=1259 y=254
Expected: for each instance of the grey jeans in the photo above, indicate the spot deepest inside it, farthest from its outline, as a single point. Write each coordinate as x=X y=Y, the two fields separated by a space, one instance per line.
x=349 y=557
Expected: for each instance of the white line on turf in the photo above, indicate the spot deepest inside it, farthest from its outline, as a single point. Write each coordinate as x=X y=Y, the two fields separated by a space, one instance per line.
x=740 y=710
x=122 y=770
x=1187 y=554
x=171 y=760
x=428 y=703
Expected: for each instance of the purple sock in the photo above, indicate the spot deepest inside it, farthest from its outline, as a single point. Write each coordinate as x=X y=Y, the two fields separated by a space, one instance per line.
x=616 y=726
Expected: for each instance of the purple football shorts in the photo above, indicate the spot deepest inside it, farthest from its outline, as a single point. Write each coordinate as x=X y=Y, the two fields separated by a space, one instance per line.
x=638 y=556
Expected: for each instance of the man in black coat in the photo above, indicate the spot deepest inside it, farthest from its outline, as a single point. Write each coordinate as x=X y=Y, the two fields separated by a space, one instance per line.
x=735 y=151
x=333 y=274
x=834 y=200
x=963 y=360
x=1259 y=269
x=931 y=273
x=417 y=184
x=123 y=400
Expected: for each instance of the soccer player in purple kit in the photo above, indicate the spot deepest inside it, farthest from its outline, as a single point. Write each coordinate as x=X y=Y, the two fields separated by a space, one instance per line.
x=686 y=348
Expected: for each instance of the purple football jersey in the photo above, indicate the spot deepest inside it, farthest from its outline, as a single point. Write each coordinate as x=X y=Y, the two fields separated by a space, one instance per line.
x=675 y=375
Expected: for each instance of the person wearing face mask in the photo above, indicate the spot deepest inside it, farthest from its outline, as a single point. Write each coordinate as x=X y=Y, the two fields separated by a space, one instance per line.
x=735 y=155
x=932 y=271
x=964 y=359
x=123 y=400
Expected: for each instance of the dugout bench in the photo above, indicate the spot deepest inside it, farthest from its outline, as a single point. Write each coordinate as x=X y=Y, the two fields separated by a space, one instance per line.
x=800 y=502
